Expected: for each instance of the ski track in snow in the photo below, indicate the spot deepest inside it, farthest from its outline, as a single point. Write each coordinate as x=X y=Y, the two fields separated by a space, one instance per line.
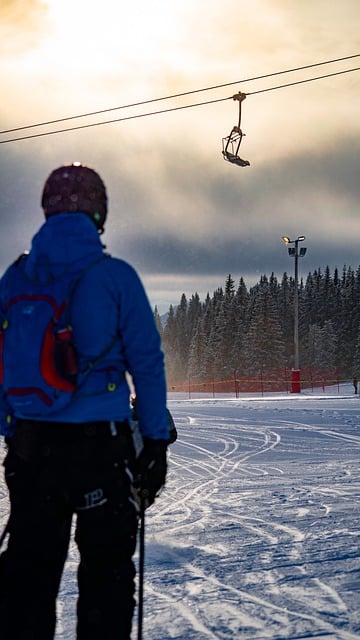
x=256 y=535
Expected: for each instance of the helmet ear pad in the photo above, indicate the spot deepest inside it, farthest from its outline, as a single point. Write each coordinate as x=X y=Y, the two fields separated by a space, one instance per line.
x=75 y=188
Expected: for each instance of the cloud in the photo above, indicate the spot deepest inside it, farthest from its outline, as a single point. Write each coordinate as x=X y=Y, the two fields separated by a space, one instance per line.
x=175 y=212
x=178 y=211
x=238 y=230
x=185 y=196
x=22 y=25
x=322 y=24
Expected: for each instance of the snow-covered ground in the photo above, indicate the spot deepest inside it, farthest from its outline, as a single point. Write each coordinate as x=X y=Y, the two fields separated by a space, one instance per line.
x=257 y=533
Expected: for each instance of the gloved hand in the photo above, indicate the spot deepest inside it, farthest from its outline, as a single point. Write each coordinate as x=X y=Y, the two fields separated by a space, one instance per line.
x=150 y=470
x=172 y=428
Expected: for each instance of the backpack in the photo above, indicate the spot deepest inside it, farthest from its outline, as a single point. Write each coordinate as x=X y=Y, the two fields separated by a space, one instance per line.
x=38 y=362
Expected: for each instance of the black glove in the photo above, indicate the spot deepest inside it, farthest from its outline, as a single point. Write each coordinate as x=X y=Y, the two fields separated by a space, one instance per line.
x=150 y=470
x=172 y=429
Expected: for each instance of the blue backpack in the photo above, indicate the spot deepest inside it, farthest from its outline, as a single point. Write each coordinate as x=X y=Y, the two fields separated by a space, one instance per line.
x=38 y=362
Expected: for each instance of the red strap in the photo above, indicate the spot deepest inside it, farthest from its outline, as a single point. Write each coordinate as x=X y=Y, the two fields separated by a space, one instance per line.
x=34 y=390
x=47 y=363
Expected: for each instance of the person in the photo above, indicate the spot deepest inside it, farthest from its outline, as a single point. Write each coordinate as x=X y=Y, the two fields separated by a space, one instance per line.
x=171 y=423
x=355 y=383
x=80 y=461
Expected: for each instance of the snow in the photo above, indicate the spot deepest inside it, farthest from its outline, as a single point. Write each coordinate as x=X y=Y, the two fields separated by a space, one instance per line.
x=256 y=535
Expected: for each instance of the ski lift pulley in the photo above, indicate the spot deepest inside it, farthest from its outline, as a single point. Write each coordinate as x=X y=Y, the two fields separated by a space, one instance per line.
x=231 y=144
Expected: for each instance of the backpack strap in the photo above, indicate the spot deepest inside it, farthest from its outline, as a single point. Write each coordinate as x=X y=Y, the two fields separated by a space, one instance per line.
x=76 y=281
x=109 y=346
x=84 y=271
x=102 y=354
x=92 y=363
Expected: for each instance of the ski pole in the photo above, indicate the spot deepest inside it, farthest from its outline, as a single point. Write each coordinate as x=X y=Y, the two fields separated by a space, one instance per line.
x=141 y=567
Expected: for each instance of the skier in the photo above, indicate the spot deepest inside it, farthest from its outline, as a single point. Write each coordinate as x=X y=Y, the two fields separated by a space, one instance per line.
x=80 y=460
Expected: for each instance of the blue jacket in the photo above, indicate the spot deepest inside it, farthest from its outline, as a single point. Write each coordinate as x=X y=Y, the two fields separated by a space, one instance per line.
x=108 y=307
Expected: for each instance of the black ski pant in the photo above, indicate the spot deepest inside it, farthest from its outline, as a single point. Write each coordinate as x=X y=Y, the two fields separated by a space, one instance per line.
x=54 y=471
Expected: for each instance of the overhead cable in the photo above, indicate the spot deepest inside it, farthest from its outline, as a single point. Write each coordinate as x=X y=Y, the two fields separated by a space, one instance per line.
x=162 y=111
x=178 y=95
x=291 y=84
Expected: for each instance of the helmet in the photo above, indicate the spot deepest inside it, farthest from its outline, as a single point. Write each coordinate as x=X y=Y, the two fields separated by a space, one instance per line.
x=75 y=188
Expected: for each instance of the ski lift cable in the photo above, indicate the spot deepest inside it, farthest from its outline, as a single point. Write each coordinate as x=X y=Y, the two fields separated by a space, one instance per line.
x=177 y=95
x=97 y=124
x=170 y=109
x=291 y=84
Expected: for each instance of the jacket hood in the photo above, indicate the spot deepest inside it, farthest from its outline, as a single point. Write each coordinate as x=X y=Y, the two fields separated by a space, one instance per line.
x=65 y=242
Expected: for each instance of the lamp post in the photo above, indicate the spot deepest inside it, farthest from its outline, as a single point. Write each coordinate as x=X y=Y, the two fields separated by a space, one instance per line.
x=295 y=253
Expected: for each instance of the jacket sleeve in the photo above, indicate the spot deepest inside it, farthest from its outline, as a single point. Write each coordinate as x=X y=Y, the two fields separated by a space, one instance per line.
x=144 y=357
x=6 y=417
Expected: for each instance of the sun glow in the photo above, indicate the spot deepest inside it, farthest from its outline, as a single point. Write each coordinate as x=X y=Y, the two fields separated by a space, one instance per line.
x=109 y=36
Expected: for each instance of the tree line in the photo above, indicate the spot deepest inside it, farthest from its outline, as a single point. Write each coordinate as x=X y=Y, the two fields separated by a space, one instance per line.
x=247 y=331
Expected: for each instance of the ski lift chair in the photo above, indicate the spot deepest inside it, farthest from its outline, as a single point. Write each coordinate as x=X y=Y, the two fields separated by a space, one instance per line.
x=231 y=144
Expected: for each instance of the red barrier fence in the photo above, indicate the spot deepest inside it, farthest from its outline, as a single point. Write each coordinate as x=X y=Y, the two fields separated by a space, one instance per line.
x=263 y=382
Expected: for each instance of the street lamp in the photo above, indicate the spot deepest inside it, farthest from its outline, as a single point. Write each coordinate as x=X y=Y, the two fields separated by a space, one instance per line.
x=294 y=252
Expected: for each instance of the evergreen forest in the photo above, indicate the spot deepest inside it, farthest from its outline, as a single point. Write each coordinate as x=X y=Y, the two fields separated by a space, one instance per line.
x=243 y=331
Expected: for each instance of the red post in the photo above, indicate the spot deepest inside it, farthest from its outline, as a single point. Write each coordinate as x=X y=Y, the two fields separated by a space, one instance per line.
x=295 y=381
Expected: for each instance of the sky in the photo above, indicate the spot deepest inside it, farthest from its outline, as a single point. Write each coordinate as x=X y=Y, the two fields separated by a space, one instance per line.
x=178 y=212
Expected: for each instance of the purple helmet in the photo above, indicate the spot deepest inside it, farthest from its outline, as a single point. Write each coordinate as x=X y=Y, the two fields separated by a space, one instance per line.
x=75 y=188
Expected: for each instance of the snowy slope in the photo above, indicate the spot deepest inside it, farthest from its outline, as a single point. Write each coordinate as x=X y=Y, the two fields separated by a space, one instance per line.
x=257 y=533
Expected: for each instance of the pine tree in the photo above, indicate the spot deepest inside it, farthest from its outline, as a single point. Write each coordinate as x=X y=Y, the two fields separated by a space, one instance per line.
x=237 y=327
x=320 y=351
x=212 y=363
x=229 y=287
x=196 y=366
x=286 y=317
x=356 y=358
x=349 y=323
x=169 y=345
x=158 y=322
x=182 y=338
x=264 y=344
